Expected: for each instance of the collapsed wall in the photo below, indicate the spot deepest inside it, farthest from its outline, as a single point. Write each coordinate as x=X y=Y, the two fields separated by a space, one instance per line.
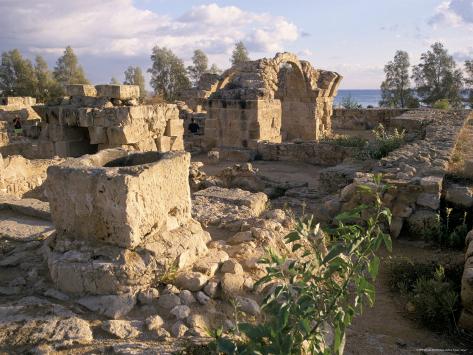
x=131 y=222
x=279 y=99
x=105 y=116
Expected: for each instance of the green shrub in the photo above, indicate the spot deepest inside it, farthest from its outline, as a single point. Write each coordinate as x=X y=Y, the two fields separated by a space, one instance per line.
x=385 y=142
x=442 y=104
x=431 y=290
x=347 y=141
x=435 y=301
x=316 y=291
x=349 y=103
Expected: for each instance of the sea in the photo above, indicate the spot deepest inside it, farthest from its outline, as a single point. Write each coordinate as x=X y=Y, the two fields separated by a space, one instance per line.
x=363 y=97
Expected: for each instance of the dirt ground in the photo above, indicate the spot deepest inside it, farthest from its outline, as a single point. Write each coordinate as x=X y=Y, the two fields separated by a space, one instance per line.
x=385 y=329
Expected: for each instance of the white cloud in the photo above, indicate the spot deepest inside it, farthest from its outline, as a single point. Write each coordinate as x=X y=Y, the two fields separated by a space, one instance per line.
x=118 y=28
x=455 y=13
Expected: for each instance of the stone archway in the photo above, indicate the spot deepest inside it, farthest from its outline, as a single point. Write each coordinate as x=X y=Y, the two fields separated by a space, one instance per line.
x=297 y=102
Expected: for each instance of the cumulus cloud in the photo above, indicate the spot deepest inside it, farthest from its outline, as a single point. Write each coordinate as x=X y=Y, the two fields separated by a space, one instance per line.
x=118 y=27
x=454 y=12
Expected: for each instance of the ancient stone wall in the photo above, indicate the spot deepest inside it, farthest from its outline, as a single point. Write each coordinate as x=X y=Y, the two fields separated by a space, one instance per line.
x=106 y=116
x=359 y=119
x=270 y=99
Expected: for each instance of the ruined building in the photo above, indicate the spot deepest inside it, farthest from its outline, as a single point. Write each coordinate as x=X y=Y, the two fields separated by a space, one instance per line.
x=274 y=100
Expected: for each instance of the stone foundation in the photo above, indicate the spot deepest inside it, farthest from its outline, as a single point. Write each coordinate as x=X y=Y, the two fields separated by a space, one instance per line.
x=130 y=221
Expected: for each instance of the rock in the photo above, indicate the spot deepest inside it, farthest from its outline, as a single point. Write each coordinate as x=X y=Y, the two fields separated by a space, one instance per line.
x=422 y=222
x=168 y=301
x=32 y=320
x=432 y=184
x=193 y=281
x=112 y=306
x=396 y=226
x=211 y=289
x=202 y=297
x=53 y=293
x=180 y=312
x=198 y=323
x=429 y=200
x=122 y=329
x=231 y=266
x=148 y=296
x=209 y=264
x=248 y=306
x=241 y=237
x=179 y=329
x=154 y=322
x=232 y=283
x=187 y=298
x=460 y=195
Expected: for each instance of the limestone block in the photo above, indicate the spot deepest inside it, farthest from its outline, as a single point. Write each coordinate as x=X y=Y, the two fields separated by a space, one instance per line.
x=120 y=92
x=80 y=90
x=432 y=184
x=163 y=143
x=119 y=200
x=98 y=135
x=128 y=134
x=460 y=195
x=174 y=128
x=177 y=143
x=146 y=145
x=429 y=200
x=86 y=118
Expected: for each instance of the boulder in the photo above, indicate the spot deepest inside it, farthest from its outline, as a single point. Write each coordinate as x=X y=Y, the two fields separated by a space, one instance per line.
x=121 y=329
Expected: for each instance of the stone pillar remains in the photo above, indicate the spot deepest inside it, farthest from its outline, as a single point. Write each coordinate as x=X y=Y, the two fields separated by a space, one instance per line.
x=122 y=219
x=92 y=118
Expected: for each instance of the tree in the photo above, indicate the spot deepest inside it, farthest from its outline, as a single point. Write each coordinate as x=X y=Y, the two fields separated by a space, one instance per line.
x=396 y=88
x=68 y=70
x=114 y=81
x=47 y=86
x=239 y=54
x=168 y=73
x=437 y=77
x=215 y=70
x=134 y=76
x=201 y=62
x=17 y=76
x=469 y=80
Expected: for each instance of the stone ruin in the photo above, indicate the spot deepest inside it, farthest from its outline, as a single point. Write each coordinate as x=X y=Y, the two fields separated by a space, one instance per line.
x=132 y=220
x=274 y=100
x=106 y=116
x=133 y=239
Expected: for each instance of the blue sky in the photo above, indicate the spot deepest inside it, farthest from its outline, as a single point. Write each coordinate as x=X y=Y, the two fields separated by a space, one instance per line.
x=354 y=38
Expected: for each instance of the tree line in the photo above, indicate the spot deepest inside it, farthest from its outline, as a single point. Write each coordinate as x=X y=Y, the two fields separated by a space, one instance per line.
x=20 y=76
x=438 y=81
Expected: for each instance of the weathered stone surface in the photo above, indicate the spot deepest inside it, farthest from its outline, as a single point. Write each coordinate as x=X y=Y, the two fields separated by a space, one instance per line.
x=193 y=281
x=180 y=312
x=116 y=190
x=121 y=329
x=169 y=301
x=120 y=92
x=112 y=306
x=80 y=90
x=460 y=195
x=31 y=320
x=154 y=322
x=248 y=306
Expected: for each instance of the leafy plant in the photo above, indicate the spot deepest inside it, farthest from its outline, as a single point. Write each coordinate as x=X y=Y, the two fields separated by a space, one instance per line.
x=385 y=142
x=442 y=104
x=314 y=297
x=349 y=103
x=347 y=141
x=431 y=289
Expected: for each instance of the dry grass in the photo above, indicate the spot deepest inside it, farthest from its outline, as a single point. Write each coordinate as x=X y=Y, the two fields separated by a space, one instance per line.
x=463 y=150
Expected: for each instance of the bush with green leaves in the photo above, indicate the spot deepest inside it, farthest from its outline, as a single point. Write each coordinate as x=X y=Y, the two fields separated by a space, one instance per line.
x=443 y=104
x=385 y=142
x=350 y=103
x=432 y=290
x=314 y=297
x=346 y=141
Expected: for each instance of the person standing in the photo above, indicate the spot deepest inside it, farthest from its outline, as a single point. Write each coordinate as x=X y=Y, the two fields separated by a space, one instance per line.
x=17 y=126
